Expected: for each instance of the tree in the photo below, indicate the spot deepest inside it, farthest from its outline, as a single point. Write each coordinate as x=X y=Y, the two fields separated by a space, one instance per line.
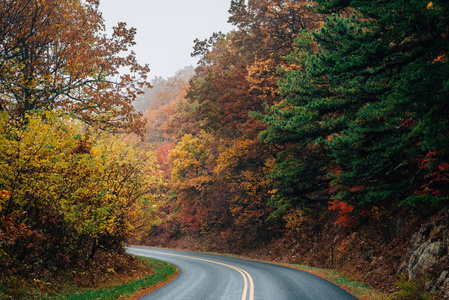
x=366 y=93
x=199 y=208
x=395 y=84
x=67 y=192
x=267 y=30
x=242 y=168
x=54 y=55
x=219 y=95
x=237 y=73
x=166 y=98
x=299 y=174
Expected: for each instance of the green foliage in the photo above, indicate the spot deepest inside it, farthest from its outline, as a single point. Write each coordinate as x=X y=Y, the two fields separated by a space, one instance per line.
x=236 y=75
x=412 y=289
x=373 y=94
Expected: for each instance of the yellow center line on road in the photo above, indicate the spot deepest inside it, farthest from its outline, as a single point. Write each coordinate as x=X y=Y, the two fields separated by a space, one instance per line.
x=246 y=277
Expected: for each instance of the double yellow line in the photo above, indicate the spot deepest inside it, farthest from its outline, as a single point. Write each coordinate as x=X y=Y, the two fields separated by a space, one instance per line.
x=247 y=279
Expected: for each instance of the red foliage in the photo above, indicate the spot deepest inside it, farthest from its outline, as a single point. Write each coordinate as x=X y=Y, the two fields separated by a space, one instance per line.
x=356 y=188
x=438 y=179
x=408 y=123
x=344 y=210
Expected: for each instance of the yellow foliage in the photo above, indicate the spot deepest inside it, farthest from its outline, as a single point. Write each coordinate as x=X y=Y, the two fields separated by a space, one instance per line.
x=97 y=184
x=244 y=165
x=262 y=76
x=190 y=157
x=295 y=219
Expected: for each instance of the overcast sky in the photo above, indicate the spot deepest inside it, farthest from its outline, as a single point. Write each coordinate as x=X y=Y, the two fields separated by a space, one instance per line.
x=166 y=28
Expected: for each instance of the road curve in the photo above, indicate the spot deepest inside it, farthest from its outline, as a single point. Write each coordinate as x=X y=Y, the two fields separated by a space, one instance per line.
x=214 y=277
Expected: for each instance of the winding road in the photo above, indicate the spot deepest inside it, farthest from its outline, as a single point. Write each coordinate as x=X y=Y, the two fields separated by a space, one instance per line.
x=206 y=276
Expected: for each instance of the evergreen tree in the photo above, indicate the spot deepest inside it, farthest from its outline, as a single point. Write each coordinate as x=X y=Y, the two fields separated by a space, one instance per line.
x=373 y=92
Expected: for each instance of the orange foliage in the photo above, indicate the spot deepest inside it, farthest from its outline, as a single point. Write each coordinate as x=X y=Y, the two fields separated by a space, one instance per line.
x=160 y=115
x=55 y=55
x=243 y=167
x=269 y=30
x=263 y=78
x=162 y=155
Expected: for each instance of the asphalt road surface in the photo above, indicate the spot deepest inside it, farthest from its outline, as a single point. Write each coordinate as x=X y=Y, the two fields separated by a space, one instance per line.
x=206 y=276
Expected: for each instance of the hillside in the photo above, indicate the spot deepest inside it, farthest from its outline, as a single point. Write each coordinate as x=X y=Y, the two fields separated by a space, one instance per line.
x=316 y=133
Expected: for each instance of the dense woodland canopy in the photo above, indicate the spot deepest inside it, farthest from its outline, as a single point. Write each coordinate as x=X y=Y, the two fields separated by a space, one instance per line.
x=311 y=118
x=311 y=113
x=311 y=104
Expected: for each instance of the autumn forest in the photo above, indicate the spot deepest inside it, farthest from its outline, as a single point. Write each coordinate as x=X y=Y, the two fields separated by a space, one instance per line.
x=316 y=132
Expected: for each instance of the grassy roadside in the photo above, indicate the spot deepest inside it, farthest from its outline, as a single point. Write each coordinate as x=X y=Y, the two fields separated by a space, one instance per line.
x=359 y=289
x=119 y=288
x=163 y=272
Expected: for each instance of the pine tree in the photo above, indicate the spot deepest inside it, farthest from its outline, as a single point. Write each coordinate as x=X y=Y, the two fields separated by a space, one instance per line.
x=373 y=92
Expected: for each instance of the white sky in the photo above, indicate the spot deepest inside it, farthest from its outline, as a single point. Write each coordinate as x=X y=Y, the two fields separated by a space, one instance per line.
x=166 y=28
